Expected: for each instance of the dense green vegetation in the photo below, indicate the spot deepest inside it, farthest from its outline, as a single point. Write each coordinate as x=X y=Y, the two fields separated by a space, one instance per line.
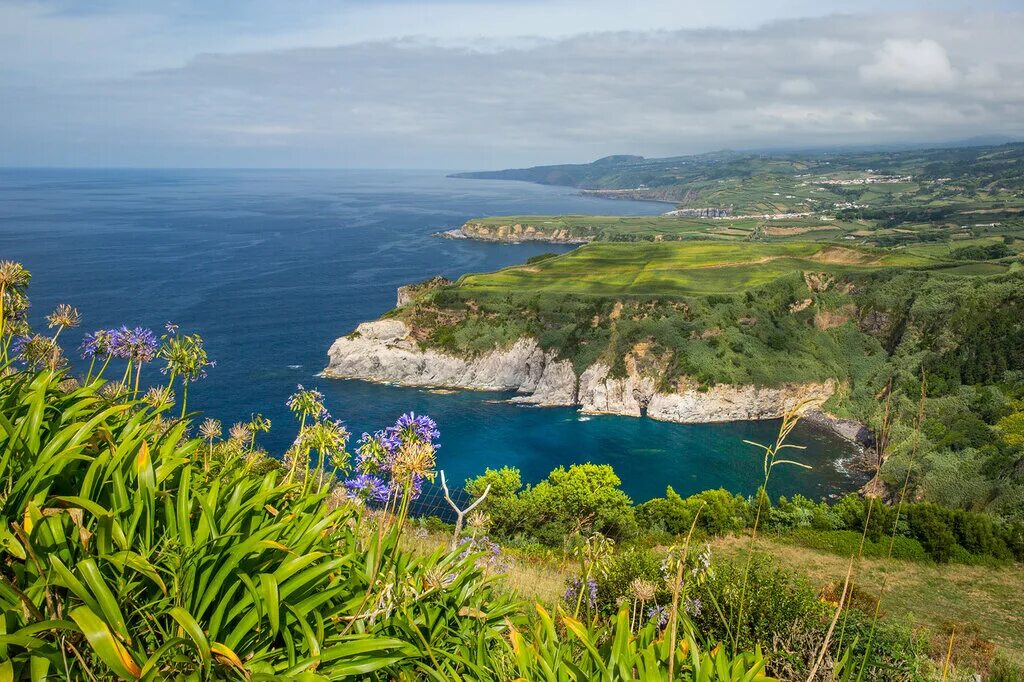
x=589 y=496
x=770 y=313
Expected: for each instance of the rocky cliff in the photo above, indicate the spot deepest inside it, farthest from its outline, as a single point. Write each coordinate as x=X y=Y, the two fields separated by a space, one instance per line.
x=518 y=232
x=384 y=351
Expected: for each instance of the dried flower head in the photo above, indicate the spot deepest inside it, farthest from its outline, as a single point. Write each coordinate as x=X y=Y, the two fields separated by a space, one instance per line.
x=64 y=316
x=112 y=390
x=479 y=521
x=159 y=397
x=13 y=275
x=210 y=429
x=642 y=590
x=240 y=433
x=68 y=384
x=414 y=460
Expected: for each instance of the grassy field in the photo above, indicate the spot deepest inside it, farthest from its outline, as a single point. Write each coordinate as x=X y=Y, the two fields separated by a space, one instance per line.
x=981 y=601
x=628 y=228
x=988 y=600
x=687 y=268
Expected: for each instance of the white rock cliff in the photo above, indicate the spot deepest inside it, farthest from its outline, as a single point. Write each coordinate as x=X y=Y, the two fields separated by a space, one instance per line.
x=383 y=351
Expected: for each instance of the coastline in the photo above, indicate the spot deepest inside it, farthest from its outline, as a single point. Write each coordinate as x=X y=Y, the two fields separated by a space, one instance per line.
x=384 y=352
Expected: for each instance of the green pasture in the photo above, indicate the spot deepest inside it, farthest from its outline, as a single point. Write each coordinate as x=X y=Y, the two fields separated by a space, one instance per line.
x=683 y=268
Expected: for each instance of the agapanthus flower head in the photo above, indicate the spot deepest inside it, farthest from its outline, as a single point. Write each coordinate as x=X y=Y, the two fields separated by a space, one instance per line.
x=240 y=432
x=171 y=328
x=210 y=429
x=64 y=316
x=694 y=607
x=98 y=343
x=329 y=438
x=658 y=614
x=159 y=397
x=572 y=591
x=377 y=452
x=13 y=275
x=258 y=424
x=38 y=351
x=307 y=402
x=185 y=355
x=643 y=590
x=414 y=459
x=15 y=314
x=135 y=345
x=480 y=544
x=421 y=427
x=366 y=487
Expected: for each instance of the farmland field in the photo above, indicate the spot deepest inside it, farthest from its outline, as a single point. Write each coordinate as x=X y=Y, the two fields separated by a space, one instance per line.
x=686 y=268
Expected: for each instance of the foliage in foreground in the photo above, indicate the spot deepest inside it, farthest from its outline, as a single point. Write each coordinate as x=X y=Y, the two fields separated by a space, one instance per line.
x=124 y=555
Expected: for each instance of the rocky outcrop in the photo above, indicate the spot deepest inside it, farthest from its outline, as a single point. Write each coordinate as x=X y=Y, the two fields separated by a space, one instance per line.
x=408 y=292
x=515 y=233
x=385 y=351
x=848 y=429
x=603 y=394
x=736 y=403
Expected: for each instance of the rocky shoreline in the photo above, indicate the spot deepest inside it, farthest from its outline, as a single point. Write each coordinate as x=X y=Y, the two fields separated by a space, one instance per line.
x=384 y=351
x=516 y=233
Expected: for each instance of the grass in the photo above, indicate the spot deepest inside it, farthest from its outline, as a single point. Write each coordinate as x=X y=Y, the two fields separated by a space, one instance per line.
x=932 y=596
x=632 y=228
x=688 y=268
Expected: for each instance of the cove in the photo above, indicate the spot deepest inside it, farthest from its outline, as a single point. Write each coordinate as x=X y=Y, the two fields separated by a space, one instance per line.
x=271 y=266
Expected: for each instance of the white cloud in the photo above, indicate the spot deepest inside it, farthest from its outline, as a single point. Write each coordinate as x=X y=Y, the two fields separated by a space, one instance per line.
x=432 y=102
x=797 y=87
x=911 y=65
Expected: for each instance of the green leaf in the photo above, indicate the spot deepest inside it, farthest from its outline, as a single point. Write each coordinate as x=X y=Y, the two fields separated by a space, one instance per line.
x=106 y=646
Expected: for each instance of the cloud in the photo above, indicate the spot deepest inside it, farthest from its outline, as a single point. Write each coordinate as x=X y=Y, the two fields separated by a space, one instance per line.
x=797 y=87
x=425 y=102
x=911 y=65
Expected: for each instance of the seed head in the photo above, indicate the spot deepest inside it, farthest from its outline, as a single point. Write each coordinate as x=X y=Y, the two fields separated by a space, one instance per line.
x=240 y=433
x=13 y=275
x=63 y=316
x=210 y=429
x=642 y=590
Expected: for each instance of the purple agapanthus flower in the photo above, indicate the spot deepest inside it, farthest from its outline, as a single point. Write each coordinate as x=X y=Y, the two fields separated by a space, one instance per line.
x=419 y=426
x=377 y=452
x=694 y=606
x=481 y=544
x=19 y=343
x=98 y=344
x=658 y=614
x=135 y=345
x=365 y=487
x=572 y=592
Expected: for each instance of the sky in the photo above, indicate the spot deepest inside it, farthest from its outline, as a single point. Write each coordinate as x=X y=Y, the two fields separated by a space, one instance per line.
x=467 y=84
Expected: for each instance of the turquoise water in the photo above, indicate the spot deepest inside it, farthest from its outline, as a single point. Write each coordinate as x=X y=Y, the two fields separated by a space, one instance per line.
x=272 y=266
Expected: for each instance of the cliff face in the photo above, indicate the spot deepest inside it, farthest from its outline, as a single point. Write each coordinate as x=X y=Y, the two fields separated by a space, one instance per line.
x=517 y=232
x=383 y=351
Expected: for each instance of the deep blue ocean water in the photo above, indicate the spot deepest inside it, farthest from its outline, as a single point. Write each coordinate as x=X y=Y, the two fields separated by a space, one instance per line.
x=271 y=266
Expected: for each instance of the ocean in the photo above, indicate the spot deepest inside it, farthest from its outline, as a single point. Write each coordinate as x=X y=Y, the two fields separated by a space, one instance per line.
x=270 y=266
